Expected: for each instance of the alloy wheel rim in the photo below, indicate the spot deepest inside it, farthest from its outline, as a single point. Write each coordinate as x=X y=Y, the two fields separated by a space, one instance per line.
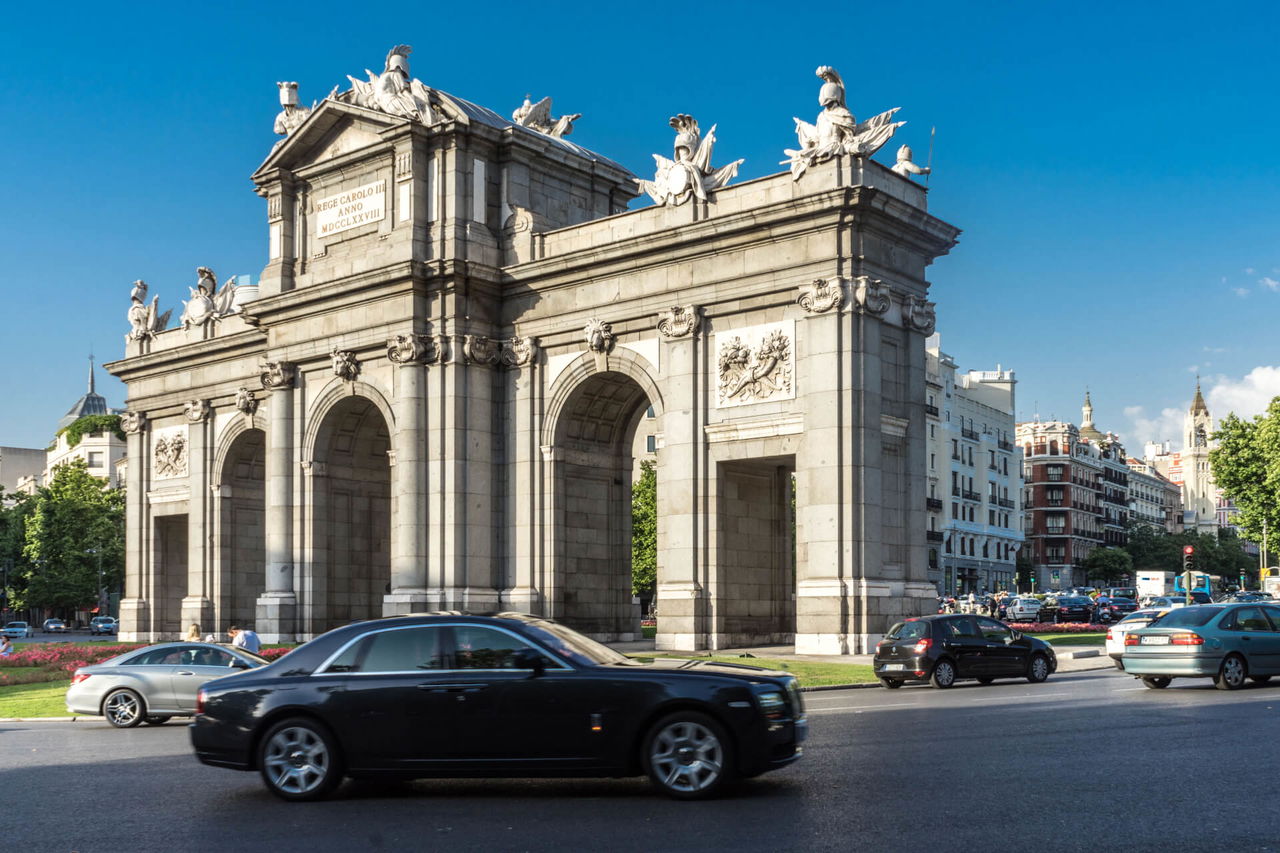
x=122 y=708
x=1040 y=668
x=687 y=756
x=946 y=674
x=296 y=760
x=1233 y=672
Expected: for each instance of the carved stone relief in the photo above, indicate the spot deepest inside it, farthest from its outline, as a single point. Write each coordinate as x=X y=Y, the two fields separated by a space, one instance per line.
x=821 y=295
x=921 y=314
x=197 y=411
x=872 y=296
x=836 y=131
x=517 y=352
x=478 y=349
x=169 y=453
x=754 y=365
x=690 y=174
x=278 y=375
x=145 y=321
x=345 y=365
x=133 y=422
x=599 y=336
x=678 y=321
x=246 y=402
x=412 y=349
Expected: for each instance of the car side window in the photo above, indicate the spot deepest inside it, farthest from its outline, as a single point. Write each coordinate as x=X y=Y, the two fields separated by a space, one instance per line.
x=160 y=657
x=403 y=650
x=1251 y=619
x=963 y=629
x=479 y=647
x=1273 y=613
x=994 y=631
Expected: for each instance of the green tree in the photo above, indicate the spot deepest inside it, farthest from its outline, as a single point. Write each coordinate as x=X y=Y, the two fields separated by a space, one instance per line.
x=15 y=510
x=76 y=526
x=1246 y=465
x=1108 y=565
x=644 y=531
x=1153 y=550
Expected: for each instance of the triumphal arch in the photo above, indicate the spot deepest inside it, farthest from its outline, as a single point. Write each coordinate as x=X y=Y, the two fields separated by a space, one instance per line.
x=429 y=399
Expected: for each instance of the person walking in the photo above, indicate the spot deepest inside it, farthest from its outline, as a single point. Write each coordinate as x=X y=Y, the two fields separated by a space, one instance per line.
x=245 y=638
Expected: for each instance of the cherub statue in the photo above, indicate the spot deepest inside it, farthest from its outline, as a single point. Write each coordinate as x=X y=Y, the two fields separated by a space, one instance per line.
x=291 y=115
x=836 y=131
x=690 y=174
x=145 y=321
x=394 y=91
x=905 y=167
x=538 y=117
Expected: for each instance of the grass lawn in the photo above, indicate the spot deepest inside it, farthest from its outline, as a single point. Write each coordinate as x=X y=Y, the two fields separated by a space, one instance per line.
x=810 y=674
x=35 y=700
x=649 y=631
x=1073 y=639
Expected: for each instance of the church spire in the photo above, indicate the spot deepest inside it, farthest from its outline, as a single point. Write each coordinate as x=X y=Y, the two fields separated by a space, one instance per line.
x=1087 y=410
x=1197 y=405
x=91 y=388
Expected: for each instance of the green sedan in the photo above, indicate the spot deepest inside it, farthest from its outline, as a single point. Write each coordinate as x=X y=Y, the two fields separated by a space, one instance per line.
x=1230 y=643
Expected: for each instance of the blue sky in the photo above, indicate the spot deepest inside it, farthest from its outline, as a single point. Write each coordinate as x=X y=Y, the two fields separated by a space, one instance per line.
x=1112 y=165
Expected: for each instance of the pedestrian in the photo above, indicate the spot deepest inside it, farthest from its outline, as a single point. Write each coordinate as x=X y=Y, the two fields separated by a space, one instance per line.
x=245 y=638
x=193 y=633
x=6 y=646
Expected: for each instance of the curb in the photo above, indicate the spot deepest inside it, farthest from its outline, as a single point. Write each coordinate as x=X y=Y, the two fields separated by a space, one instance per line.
x=52 y=719
x=1089 y=653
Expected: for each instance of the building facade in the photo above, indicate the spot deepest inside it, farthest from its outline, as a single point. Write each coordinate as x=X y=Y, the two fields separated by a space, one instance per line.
x=1076 y=496
x=975 y=476
x=1154 y=500
x=433 y=401
x=1205 y=508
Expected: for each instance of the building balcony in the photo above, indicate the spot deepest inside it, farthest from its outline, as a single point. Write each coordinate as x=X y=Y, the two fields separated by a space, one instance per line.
x=971 y=434
x=971 y=496
x=933 y=535
x=1004 y=444
x=1005 y=502
x=933 y=503
x=930 y=410
x=955 y=491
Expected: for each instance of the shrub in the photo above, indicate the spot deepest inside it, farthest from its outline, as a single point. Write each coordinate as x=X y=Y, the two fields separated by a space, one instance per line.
x=1057 y=627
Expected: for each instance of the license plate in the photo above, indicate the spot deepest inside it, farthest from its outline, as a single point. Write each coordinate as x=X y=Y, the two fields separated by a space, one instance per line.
x=1157 y=640
x=895 y=666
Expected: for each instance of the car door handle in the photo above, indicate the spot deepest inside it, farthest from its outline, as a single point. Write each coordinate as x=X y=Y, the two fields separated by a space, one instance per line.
x=184 y=672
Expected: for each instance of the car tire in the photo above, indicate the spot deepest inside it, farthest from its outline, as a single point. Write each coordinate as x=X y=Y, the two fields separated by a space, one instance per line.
x=943 y=675
x=124 y=709
x=1232 y=674
x=1156 y=682
x=1259 y=679
x=1038 y=669
x=299 y=760
x=156 y=719
x=986 y=680
x=688 y=756
x=891 y=683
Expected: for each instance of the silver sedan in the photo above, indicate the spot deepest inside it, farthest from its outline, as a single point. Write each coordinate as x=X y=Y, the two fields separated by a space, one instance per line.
x=154 y=683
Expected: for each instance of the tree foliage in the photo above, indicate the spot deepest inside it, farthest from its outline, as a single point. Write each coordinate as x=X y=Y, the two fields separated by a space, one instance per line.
x=75 y=526
x=1222 y=555
x=87 y=424
x=1108 y=565
x=644 y=531
x=15 y=509
x=1246 y=466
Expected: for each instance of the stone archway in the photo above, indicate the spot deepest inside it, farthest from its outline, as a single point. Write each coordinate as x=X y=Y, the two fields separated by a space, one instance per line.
x=242 y=550
x=590 y=587
x=350 y=570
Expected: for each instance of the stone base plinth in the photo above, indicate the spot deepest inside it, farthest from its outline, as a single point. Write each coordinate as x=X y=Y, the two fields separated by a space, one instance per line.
x=277 y=617
x=135 y=621
x=406 y=601
x=523 y=599
x=197 y=610
x=682 y=617
x=835 y=617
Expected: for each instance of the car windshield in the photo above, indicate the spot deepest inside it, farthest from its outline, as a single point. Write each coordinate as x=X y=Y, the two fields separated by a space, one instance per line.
x=16 y=624
x=1074 y=602
x=1137 y=617
x=1123 y=601
x=574 y=646
x=913 y=630
x=1186 y=617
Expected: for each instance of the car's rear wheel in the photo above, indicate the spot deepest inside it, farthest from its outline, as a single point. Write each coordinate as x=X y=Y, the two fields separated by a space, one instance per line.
x=1156 y=682
x=688 y=756
x=944 y=674
x=1232 y=674
x=298 y=759
x=1038 y=671
x=157 y=719
x=124 y=709
x=891 y=683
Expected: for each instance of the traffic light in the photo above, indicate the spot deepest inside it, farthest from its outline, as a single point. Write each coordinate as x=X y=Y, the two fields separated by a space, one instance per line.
x=1188 y=557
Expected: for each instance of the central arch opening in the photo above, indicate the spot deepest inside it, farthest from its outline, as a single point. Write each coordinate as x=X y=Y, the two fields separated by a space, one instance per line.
x=595 y=466
x=352 y=498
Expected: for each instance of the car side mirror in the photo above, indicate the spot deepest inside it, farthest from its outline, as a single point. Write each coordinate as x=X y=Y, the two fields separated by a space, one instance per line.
x=1016 y=636
x=531 y=659
x=239 y=664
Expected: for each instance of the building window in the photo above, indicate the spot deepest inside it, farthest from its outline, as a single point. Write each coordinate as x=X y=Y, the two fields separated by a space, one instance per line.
x=955 y=510
x=651 y=442
x=650 y=414
x=933 y=461
x=95 y=459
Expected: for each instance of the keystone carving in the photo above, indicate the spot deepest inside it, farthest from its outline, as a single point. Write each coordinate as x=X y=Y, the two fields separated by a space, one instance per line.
x=246 y=403
x=821 y=295
x=133 y=422
x=197 y=411
x=345 y=365
x=599 y=336
x=478 y=349
x=872 y=296
x=517 y=352
x=678 y=321
x=279 y=375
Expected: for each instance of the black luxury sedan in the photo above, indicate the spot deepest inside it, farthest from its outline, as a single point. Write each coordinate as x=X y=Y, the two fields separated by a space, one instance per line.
x=504 y=695
x=945 y=648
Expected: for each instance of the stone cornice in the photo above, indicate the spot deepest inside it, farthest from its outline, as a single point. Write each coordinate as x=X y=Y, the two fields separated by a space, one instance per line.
x=214 y=349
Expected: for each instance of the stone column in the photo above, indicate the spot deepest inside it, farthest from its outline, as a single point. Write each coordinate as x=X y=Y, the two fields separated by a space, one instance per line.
x=135 y=612
x=919 y=593
x=682 y=471
x=409 y=477
x=277 y=607
x=523 y=592
x=197 y=608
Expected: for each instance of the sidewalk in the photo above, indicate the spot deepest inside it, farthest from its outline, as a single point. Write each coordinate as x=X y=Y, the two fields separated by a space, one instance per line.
x=1070 y=658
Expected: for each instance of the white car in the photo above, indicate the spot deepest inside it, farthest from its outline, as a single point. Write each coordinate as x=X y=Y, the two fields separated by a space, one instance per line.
x=1165 y=602
x=18 y=631
x=1023 y=609
x=1132 y=622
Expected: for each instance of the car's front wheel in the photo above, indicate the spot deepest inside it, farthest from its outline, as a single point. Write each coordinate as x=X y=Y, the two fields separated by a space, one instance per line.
x=123 y=709
x=688 y=755
x=1232 y=674
x=944 y=674
x=298 y=759
x=1038 y=671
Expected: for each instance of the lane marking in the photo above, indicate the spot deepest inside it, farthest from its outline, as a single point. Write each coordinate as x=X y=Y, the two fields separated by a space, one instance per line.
x=864 y=707
x=1008 y=698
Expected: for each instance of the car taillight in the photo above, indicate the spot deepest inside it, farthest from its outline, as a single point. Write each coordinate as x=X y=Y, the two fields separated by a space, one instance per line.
x=1110 y=636
x=922 y=646
x=1131 y=639
x=79 y=677
x=200 y=701
x=1186 y=639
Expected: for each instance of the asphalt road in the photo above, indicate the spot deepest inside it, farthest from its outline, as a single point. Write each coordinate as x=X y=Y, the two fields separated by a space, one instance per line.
x=1087 y=761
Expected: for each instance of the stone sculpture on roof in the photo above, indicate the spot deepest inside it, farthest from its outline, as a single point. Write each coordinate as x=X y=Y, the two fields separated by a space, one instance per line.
x=538 y=117
x=836 y=131
x=690 y=173
x=291 y=115
x=145 y=321
x=905 y=167
x=207 y=303
x=393 y=91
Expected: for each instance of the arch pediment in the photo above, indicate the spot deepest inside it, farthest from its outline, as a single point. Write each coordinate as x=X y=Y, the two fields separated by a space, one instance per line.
x=333 y=129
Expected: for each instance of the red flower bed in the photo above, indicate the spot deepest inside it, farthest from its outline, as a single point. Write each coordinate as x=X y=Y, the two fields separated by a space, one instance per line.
x=1057 y=627
x=56 y=661
x=272 y=654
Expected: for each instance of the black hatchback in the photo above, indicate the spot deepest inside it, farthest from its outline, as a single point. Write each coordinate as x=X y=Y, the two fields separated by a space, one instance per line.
x=945 y=648
x=452 y=695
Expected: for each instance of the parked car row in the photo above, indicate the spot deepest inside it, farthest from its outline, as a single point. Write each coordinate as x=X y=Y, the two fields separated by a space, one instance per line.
x=23 y=630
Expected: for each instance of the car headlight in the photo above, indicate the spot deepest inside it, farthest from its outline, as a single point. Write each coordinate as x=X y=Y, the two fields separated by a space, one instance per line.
x=774 y=705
